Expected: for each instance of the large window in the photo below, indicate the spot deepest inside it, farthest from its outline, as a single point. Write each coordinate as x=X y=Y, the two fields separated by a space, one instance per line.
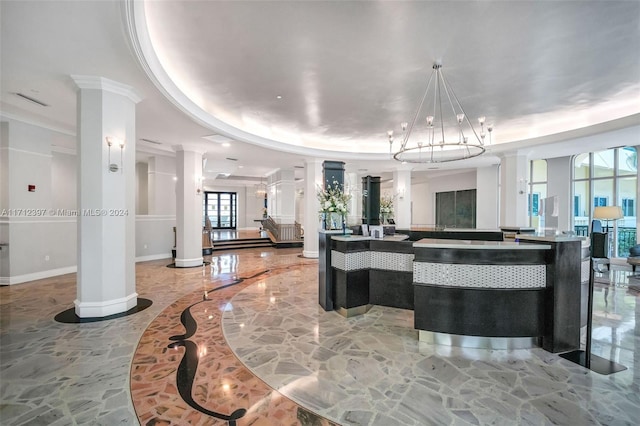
x=221 y=208
x=607 y=178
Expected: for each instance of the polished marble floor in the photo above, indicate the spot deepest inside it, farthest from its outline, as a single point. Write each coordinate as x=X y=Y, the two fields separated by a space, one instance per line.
x=258 y=329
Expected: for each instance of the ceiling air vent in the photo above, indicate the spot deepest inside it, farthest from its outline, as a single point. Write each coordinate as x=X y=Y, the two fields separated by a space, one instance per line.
x=151 y=141
x=232 y=159
x=30 y=99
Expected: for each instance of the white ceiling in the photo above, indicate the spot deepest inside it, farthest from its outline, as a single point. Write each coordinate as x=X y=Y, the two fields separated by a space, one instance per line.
x=346 y=71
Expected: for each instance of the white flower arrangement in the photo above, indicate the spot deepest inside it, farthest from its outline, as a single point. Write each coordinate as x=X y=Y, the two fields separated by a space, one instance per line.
x=386 y=206
x=333 y=199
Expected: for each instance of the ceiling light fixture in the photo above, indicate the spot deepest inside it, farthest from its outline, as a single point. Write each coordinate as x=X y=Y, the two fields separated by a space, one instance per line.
x=261 y=189
x=443 y=138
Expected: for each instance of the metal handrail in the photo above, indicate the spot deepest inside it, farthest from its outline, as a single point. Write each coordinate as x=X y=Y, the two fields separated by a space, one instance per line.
x=283 y=232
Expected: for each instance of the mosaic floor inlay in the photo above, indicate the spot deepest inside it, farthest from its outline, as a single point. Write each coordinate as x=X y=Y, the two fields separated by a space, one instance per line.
x=262 y=344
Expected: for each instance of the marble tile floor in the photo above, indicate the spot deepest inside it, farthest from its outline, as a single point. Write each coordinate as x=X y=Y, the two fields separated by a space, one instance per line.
x=66 y=374
x=371 y=370
x=365 y=370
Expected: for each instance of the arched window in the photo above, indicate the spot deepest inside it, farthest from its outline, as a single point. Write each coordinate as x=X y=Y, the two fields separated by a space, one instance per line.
x=607 y=178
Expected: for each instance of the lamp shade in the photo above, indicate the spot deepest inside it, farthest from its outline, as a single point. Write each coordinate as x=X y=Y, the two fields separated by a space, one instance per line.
x=608 y=212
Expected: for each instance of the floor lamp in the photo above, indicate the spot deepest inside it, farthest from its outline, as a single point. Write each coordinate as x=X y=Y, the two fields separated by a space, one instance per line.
x=607 y=213
x=586 y=358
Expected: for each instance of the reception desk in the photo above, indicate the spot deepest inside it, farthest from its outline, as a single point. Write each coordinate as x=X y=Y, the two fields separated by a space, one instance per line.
x=478 y=293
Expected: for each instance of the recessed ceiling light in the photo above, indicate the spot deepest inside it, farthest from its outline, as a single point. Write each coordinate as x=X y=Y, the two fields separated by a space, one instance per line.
x=240 y=167
x=279 y=97
x=226 y=144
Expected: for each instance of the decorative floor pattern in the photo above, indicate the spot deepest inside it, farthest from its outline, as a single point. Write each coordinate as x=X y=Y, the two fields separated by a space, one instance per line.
x=221 y=383
x=365 y=370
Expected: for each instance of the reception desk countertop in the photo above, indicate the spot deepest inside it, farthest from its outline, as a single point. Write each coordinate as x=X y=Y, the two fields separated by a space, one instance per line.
x=396 y=237
x=550 y=238
x=477 y=244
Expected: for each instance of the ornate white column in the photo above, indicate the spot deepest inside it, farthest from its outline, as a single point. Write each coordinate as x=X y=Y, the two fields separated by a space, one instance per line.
x=189 y=198
x=312 y=180
x=106 y=147
x=282 y=196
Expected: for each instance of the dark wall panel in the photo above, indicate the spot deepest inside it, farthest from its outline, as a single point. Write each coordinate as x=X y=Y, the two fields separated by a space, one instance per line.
x=391 y=288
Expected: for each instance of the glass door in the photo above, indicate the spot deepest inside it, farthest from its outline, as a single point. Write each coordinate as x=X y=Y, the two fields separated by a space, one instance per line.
x=221 y=208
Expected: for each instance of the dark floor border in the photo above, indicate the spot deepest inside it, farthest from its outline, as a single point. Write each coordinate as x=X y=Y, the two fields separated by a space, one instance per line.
x=69 y=316
x=173 y=265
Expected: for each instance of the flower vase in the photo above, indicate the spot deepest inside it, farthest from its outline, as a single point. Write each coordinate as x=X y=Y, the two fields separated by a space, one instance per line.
x=334 y=221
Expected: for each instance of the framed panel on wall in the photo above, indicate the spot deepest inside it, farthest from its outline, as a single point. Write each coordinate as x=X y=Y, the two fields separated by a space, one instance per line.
x=456 y=209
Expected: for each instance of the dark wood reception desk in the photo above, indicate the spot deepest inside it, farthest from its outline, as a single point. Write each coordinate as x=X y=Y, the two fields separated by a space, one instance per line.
x=500 y=294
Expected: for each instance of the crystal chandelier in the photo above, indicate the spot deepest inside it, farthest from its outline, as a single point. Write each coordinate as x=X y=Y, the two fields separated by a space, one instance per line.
x=447 y=135
x=261 y=189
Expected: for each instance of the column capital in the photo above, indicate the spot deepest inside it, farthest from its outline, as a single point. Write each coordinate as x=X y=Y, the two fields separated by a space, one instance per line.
x=101 y=83
x=513 y=154
x=404 y=167
x=190 y=147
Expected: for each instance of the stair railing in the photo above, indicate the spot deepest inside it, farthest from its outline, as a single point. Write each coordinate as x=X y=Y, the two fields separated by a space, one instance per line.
x=283 y=232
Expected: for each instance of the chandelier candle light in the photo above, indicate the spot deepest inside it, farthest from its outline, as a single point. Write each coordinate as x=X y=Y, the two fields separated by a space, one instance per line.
x=443 y=139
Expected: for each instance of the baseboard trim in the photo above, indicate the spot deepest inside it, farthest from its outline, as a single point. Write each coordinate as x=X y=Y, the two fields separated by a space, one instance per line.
x=153 y=257
x=49 y=273
x=19 y=279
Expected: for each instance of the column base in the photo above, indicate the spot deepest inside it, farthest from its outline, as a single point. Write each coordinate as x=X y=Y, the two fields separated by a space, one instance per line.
x=311 y=254
x=106 y=307
x=188 y=263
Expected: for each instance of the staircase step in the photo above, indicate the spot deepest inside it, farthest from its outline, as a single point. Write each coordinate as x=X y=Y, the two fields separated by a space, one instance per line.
x=241 y=243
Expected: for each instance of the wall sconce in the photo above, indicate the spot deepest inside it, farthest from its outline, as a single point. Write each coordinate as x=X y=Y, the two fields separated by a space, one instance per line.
x=522 y=186
x=199 y=180
x=120 y=142
x=401 y=193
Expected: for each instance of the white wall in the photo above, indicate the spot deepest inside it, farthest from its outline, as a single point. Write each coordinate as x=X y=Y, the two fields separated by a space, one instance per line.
x=154 y=237
x=142 y=188
x=487 y=197
x=42 y=239
x=161 y=185
x=64 y=172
